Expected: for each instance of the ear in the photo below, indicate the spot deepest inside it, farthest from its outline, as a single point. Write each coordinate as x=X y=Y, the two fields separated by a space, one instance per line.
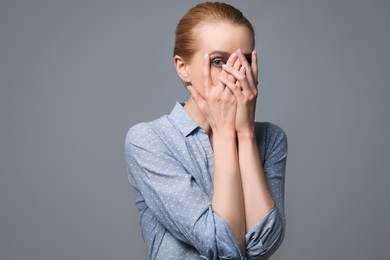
x=182 y=69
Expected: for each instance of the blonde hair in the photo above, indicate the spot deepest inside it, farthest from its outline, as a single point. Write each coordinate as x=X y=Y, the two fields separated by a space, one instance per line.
x=185 y=36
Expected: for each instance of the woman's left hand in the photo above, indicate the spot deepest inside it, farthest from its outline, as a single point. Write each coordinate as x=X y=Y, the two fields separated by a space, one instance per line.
x=242 y=81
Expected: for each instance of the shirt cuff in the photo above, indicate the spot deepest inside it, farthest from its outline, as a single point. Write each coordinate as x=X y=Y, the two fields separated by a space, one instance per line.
x=265 y=236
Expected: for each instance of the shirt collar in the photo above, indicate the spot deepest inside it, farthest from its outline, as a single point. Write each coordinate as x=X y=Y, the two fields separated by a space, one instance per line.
x=182 y=120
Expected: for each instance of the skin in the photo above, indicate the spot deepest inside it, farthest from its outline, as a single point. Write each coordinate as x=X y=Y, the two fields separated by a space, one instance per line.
x=223 y=93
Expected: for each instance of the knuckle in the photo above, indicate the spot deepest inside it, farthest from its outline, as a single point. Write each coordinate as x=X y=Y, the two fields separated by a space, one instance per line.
x=246 y=100
x=251 y=96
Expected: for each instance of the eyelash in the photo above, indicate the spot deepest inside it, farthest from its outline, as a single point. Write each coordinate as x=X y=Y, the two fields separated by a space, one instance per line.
x=218 y=62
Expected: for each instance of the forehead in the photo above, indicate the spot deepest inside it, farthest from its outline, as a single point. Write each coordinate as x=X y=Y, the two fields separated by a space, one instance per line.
x=224 y=37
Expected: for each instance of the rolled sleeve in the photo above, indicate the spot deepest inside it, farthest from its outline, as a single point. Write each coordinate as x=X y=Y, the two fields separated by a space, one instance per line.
x=264 y=237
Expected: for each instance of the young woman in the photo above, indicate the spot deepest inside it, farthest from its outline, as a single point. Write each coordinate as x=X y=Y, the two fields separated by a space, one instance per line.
x=208 y=180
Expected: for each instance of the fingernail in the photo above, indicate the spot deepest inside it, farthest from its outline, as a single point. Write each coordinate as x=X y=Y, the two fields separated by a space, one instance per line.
x=224 y=66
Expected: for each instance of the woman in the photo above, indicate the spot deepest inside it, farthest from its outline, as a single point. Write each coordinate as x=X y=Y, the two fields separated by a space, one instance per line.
x=208 y=180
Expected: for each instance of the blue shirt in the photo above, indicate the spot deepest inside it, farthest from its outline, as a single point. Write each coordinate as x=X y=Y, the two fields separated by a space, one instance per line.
x=171 y=166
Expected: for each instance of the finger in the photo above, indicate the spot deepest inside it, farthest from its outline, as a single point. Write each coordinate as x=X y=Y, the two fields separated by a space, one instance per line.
x=248 y=69
x=232 y=59
x=228 y=95
x=240 y=76
x=206 y=75
x=233 y=87
x=237 y=64
x=222 y=75
x=199 y=100
x=255 y=67
x=242 y=58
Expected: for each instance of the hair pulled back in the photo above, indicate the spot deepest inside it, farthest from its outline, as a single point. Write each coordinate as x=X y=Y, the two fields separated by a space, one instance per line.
x=204 y=13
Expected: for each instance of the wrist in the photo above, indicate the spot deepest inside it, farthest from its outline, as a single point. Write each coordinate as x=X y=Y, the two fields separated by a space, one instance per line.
x=225 y=133
x=248 y=133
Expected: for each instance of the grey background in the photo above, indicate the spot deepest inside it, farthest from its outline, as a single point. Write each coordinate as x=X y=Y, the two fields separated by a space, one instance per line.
x=75 y=75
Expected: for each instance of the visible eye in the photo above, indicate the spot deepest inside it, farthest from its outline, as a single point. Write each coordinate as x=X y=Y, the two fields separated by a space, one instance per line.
x=217 y=62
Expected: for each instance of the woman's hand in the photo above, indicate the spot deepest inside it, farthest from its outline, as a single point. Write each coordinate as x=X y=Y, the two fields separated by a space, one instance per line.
x=218 y=104
x=241 y=79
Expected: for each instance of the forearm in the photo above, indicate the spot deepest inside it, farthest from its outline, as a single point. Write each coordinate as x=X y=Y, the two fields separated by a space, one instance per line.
x=257 y=196
x=228 y=198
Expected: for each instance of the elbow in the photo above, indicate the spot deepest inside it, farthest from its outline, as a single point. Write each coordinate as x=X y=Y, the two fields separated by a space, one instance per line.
x=217 y=241
x=277 y=240
x=263 y=241
x=220 y=250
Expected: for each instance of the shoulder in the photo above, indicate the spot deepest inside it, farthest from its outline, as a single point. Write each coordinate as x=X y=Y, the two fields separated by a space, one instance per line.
x=270 y=132
x=270 y=138
x=146 y=134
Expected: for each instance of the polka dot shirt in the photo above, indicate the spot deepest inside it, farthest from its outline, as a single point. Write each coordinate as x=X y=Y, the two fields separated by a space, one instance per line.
x=170 y=167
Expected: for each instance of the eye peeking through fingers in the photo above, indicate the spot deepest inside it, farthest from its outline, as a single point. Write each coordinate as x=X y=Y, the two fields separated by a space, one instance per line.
x=218 y=62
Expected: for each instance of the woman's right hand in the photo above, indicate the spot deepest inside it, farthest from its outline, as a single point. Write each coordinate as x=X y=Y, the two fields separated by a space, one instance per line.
x=218 y=104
